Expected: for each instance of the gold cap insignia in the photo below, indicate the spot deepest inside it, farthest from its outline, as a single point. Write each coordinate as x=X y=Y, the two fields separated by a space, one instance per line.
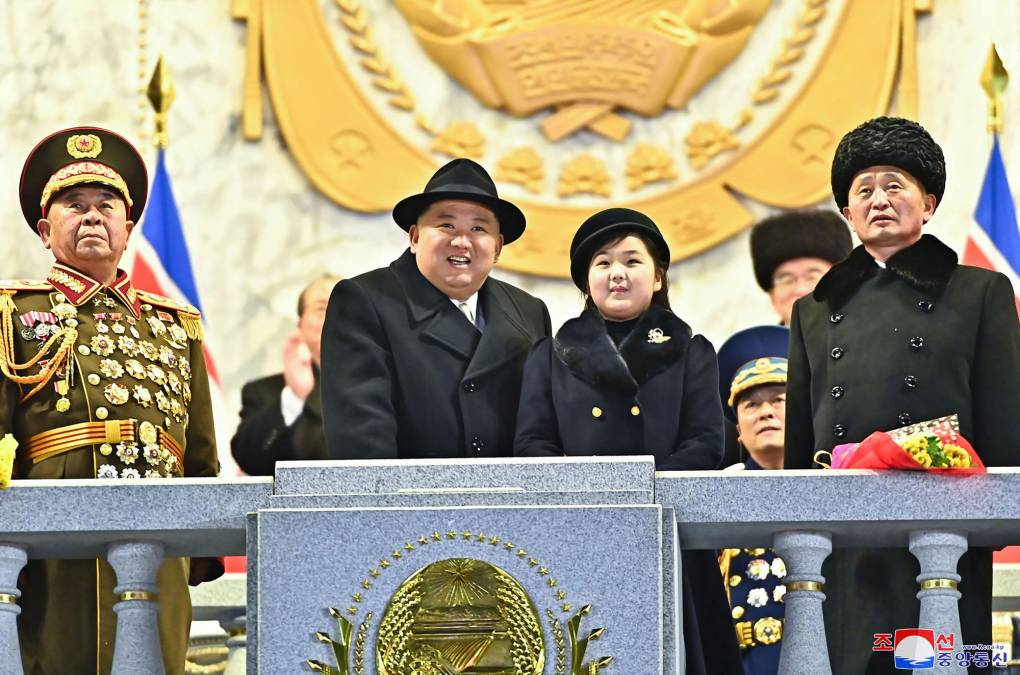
x=84 y=146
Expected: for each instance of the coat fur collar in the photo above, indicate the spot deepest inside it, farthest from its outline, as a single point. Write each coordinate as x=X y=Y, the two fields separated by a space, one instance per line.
x=585 y=348
x=926 y=265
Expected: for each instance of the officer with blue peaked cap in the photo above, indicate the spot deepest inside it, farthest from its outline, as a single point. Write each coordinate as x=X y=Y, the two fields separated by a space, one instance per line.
x=752 y=377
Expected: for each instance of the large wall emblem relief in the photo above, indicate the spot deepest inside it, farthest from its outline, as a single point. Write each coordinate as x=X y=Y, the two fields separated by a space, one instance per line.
x=679 y=108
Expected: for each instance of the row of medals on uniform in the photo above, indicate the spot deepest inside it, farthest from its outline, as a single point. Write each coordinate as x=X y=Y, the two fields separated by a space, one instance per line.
x=121 y=333
x=759 y=569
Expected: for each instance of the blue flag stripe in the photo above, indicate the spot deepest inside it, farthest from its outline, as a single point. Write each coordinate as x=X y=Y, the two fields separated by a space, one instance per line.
x=995 y=212
x=162 y=229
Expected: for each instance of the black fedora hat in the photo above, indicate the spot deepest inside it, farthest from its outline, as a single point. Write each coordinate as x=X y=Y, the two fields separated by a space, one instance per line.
x=604 y=225
x=462 y=179
x=79 y=156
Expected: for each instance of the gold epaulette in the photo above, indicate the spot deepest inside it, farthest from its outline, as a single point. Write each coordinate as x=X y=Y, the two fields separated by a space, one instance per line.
x=191 y=318
x=15 y=285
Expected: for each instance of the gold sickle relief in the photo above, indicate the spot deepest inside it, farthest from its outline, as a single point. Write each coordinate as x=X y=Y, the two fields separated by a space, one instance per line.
x=666 y=55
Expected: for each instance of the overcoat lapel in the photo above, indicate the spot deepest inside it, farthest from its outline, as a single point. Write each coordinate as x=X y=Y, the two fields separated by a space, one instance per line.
x=659 y=339
x=504 y=336
x=927 y=265
x=439 y=320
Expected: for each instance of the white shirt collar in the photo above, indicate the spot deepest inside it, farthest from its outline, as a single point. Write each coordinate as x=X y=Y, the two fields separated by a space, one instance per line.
x=472 y=304
x=880 y=263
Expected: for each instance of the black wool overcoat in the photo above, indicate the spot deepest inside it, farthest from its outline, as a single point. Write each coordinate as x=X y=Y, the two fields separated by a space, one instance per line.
x=651 y=396
x=874 y=349
x=406 y=375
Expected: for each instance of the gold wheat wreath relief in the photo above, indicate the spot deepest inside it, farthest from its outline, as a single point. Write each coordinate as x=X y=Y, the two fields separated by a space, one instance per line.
x=580 y=65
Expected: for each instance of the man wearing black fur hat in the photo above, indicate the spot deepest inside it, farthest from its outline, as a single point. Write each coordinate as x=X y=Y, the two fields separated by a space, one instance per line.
x=423 y=359
x=899 y=333
x=791 y=251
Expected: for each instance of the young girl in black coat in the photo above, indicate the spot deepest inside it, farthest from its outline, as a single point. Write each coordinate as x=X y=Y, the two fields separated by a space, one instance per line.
x=628 y=377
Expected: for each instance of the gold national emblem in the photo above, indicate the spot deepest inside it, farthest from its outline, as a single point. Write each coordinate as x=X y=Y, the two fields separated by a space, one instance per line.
x=84 y=146
x=460 y=615
x=680 y=109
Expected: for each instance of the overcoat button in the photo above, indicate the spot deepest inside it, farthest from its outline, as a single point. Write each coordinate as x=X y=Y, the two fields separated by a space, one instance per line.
x=635 y=411
x=903 y=418
x=910 y=381
x=837 y=392
x=470 y=387
x=916 y=342
x=925 y=306
x=837 y=352
x=596 y=412
x=839 y=430
x=836 y=318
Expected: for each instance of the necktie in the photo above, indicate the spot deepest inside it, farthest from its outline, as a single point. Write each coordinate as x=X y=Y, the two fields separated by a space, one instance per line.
x=466 y=309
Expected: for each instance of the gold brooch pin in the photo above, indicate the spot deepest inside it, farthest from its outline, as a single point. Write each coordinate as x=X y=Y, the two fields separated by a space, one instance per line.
x=656 y=337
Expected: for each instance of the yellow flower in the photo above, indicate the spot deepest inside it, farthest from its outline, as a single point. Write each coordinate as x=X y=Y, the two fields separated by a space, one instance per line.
x=958 y=457
x=923 y=458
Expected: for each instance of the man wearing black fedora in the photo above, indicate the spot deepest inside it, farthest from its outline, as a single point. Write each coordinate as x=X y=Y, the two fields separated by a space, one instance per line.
x=423 y=359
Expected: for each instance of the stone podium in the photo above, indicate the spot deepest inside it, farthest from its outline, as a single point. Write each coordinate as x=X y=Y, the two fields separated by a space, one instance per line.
x=558 y=566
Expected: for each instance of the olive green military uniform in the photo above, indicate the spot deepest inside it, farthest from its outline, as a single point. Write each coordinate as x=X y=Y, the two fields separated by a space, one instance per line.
x=117 y=388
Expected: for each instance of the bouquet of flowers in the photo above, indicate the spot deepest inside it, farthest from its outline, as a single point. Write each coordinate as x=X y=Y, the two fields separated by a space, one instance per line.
x=934 y=445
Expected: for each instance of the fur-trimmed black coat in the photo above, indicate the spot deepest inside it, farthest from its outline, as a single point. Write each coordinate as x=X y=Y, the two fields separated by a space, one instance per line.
x=406 y=375
x=651 y=396
x=874 y=349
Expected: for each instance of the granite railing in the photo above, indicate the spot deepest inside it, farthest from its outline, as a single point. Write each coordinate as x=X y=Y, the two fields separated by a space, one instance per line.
x=134 y=524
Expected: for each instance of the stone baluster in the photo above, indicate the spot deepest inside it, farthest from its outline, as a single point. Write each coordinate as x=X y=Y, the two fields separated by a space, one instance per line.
x=137 y=649
x=12 y=558
x=804 y=648
x=938 y=552
x=237 y=644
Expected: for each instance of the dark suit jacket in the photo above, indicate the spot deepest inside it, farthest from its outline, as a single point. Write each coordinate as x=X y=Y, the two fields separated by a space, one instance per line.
x=262 y=438
x=405 y=374
x=873 y=350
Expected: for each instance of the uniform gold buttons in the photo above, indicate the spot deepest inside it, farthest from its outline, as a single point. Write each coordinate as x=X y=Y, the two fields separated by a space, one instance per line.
x=84 y=350
x=635 y=411
x=596 y=412
x=93 y=379
x=102 y=413
x=106 y=449
x=738 y=612
x=735 y=580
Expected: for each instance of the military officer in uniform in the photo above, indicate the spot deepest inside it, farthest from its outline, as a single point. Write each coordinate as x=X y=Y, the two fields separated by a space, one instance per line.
x=424 y=358
x=752 y=375
x=99 y=380
x=898 y=333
